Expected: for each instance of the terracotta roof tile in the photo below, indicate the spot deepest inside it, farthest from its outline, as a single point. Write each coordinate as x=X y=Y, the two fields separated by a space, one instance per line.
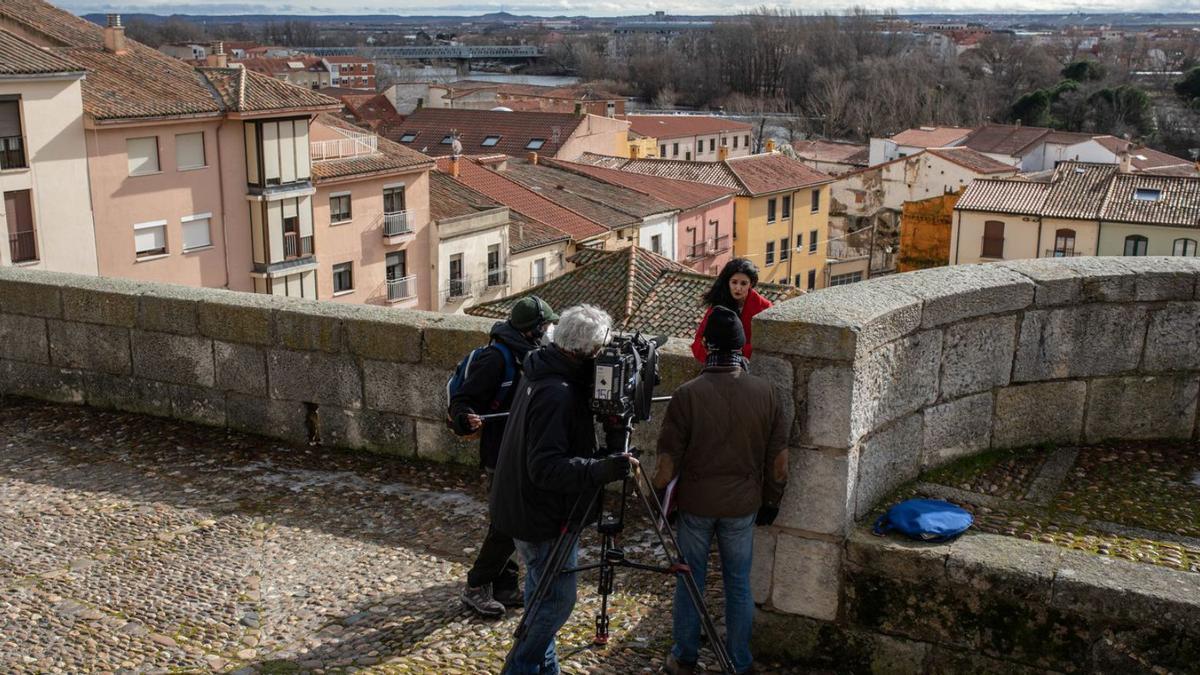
x=516 y=130
x=244 y=90
x=711 y=173
x=391 y=158
x=1178 y=205
x=832 y=151
x=676 y=126
x=1005 y=139
x=750 y=175
x=970 y=159
x=1004 y=196
x=525 y=234
x=449 y=198
x=681 y=194
x=273 y=66
x=931 y=137
x=674 y=307
x=21 y=57
x=611 y=205
x=1148 y=159
x=1077 y=190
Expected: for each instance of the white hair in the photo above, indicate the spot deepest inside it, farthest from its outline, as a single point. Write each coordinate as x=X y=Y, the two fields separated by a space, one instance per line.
x=583 y=330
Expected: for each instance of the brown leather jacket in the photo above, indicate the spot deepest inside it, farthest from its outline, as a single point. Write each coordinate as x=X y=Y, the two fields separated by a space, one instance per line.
x=725 y=431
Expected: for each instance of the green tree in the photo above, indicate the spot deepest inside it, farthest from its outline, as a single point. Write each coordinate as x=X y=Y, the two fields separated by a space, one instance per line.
x=1033 y=109
x=1188 y=88
x=1084 y=71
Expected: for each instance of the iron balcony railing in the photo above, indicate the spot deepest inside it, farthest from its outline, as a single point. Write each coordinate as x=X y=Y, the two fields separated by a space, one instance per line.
x=698 y=250
x=23 y=246
x=295 y=246
x=397 y=223
x=12 y=153
x=402 y=288
x=1062 y=253
x=720 y=244
x=497 y=277
x=459 y=287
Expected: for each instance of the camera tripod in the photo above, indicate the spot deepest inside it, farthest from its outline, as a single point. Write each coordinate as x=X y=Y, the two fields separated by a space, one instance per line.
x=612 y=556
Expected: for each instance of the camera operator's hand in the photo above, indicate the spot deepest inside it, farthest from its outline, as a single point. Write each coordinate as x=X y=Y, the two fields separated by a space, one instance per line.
x=474 y=421
x=766 y=514
x=613 y=468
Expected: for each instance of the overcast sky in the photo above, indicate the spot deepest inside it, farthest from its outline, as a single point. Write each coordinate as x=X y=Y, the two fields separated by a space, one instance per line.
x=606 y=7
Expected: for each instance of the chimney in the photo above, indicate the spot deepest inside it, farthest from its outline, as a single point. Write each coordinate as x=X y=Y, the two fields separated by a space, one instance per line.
x=114 y=35
x=217 y=59
x=633 y=151
x=1017 y=123
x=770 y=145
x=454 y=167
x=722 y=153
x=532 y=157
x=578 y=108
x=1125 y=161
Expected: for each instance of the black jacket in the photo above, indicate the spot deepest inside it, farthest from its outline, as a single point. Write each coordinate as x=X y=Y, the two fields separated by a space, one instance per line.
x=479 y=390
x=547 y=455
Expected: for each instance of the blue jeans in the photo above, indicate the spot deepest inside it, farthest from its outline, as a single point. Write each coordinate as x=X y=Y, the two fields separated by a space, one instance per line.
x=735 y=543
x=537 y=655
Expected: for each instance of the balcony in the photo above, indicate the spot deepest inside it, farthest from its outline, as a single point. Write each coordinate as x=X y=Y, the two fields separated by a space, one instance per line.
x=497 y=278
x=295 y=246
x=353 y=145
x=720 y=244
x=397 y=224
x=459 y=287
x=402 y=288
x=23 y=246
x=697 y=251
x=12 y=153
x=1061 y=253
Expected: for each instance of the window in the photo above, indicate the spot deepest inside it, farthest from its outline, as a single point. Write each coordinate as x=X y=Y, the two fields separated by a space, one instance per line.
x=397 y=264
x=993 y=239
x=770 y=253
x=343 y=277
x=799 y=244
x=407 y=137
x=1147 y=194
x=815 y=199
x=610 y=108
x=362 y=67
x=656 y=243
x=196 y=231
x=735 y=142
x=812 y=279
x=699 y=149
x=1184 y=247
x=535 y=144
x=150 y=238
x=747 y=141
x=799 y=278
x=12 y=146
x=143 y=155
x=784 y=251
x=688 y=155
x=458 y=283
x=787 y=207
x=812 y=240
x=393 y=199
x=490 y=141
x=339 y=207
x=662 y=151
x=771 y=210
x=399 y=284
x=189 y=151
x=674 y=149
x=537 y=272
x=1135 y=244
x=495 y=274
x=22 y=237
x=712 y=145
x=843 y=279
x=1064 y=243
x=447 y=139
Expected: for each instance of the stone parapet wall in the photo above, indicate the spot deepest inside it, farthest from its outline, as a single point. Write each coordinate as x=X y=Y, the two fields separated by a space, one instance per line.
x=904 y=373
x=352 y=376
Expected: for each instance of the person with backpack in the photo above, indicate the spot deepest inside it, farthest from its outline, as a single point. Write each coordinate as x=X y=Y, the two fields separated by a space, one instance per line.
x=484 y=384
x=724 y=435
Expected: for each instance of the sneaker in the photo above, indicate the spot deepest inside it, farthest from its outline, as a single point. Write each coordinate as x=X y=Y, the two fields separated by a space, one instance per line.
x=510 y=597
x=676 y=667
x=480 y=600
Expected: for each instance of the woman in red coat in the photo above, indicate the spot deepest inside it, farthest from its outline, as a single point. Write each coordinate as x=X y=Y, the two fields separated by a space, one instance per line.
x=734 y=288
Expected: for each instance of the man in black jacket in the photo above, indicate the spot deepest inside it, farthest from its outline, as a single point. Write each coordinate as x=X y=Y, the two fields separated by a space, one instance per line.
x=493 y=582
x=547 y=460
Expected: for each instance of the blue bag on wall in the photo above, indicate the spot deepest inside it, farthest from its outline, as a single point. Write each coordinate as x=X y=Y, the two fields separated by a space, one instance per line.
x=931 y=520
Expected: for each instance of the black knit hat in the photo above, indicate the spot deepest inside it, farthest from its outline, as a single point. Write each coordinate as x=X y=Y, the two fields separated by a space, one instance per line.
x=724 y=331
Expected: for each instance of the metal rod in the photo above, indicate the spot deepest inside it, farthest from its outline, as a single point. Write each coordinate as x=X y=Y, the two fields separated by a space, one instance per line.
x=656 y=399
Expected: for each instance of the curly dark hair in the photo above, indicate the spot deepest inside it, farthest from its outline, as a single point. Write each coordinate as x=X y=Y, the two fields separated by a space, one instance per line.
x=719 y=293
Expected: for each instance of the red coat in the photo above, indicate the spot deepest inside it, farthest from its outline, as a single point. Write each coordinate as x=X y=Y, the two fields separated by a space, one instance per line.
x=754 y=304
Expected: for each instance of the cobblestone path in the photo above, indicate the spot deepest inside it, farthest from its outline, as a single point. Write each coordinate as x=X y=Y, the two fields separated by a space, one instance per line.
x=132 y=544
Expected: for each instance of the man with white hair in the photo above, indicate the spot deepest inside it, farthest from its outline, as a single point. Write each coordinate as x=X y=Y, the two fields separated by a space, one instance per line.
x=547 y=460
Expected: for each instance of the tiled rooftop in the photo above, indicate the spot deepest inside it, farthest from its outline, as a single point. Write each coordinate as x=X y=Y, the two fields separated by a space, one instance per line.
x=21 y=57
x=681 y=194
x=272 y=66
x=675 y=126
x=1148 y=159
x=832 y=151
x=750 y=175
x=1006 y=139
x=514 y=131
x=246 y=91
x=390 y=158
x=525 y=234
x=971 y=159
x=449 y=198
x=931 y=137
x=1004 y=196
x=602 y=202
x=1077 y=190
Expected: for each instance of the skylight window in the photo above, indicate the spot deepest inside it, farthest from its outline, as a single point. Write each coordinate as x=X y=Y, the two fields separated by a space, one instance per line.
x=490 y=141
x=408 y=137
x=535 y=144
x=447 y=140
x=1147 y=194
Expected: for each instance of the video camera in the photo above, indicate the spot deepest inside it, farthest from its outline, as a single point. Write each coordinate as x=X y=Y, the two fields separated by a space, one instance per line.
x=626 y=374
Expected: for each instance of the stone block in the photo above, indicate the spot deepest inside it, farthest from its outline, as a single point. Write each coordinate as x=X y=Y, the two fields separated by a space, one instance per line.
x=1120 y=592
x=829 y=401
x=1173 y=338
x=894 y=380
x=1103 y=279
x=118 y=392
x=24 y=338
x=409 y=388
x=382 y=334
x=1141 y=407
x=240 y=368
x=436 y=444
x=314 y=377
x=676 y=365
x=1005 y=566
x=1164 y=277
x=977 y=355
x=48 y=383
x=912 y=562
x=956 y=429
x=340 y=428
x=953 y=660
x=90 y=347
x=807 y=578
x=198 y=405
x=779 y=373
x=448 y=338
x=762 y=562
x=30 y=297
x=152 y=398
x=820 y=492
x=960 y=292
x=1050 y=412
x=285 y=420
x=239 y=317
x=388 y=433
x=1083 y=341
x=102 y=300
x=838 y=323
x=312 y=326
x=180 y=359
x=171 y=309
x=1057 y=283
x=886 y=461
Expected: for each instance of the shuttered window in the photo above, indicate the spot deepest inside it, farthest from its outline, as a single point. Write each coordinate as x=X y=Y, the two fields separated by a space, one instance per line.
x=993 y=239
x=196 y=231
x=189 y=151
x=143 y=155
x=150 y=238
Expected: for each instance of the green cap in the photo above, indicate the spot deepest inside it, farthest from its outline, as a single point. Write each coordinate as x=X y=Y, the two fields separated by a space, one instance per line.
x=531 y=312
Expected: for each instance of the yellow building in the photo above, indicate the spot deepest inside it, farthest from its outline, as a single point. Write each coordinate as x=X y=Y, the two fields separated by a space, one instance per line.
x=641 y=147
x=781 y=209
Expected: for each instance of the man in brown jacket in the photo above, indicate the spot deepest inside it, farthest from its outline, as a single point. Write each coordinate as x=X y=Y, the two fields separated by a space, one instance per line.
x=724 y=436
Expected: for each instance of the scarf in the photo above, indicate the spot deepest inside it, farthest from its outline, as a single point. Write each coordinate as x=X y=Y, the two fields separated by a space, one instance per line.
x=726 y=359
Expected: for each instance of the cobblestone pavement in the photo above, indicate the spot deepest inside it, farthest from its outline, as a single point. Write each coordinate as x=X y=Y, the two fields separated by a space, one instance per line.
x=132 y=544
x=1137 y=501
